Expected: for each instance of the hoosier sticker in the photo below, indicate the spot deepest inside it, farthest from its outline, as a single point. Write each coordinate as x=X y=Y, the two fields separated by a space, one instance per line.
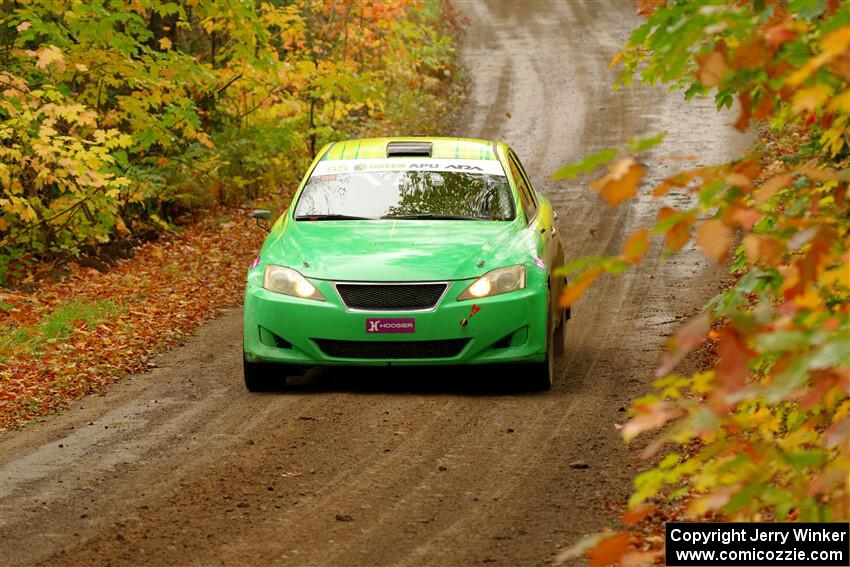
x=390 y=325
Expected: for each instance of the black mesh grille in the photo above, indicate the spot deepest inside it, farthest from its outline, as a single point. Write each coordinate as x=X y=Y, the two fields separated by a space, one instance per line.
x=391 y=297
x=446 y=348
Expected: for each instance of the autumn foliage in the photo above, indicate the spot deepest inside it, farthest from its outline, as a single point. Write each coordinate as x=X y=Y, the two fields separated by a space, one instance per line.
x=72 y=338
x=117 y=118
x=764 y=433
x=124 y=120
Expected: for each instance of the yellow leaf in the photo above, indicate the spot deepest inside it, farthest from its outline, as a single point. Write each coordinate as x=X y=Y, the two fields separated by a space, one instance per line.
x=833 y=45
x=808 y=300
x=616 y=59
x=838 y=276
x=205 y=140
x=715 y=239
x=622 y=181
x=841 y=102
x=810 y=99
x=836 y=42
x=164 y=43
x=833 y=138
x=796 y=78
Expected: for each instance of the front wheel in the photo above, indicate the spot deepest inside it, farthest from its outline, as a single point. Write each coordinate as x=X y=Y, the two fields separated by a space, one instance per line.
x=542 y=374
x=559 y=341
x=262 y=377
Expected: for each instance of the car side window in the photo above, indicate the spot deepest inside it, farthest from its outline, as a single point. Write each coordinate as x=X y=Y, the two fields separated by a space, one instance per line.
x=526 y=195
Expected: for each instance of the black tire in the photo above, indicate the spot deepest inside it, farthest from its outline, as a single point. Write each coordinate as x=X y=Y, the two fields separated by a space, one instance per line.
x=260 y=377
x=559 y=340
x=542 y=374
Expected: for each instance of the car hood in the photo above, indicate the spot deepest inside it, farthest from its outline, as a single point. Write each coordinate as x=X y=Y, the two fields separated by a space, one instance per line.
x=405 y=250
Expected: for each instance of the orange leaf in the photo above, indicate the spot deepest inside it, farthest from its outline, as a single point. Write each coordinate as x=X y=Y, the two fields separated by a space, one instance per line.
x=743 y=121
x=679 y=180
x=813 y=171
x=780 y=33
x=610 y=550
x=649 y=417
x=715 y=239
x=49 y=55
x=622 y=181
x=712 y=67
x=678 y=234
x=769 y=188
x=764 y=107
x=751 y=168
x=733 y=356
x=640 y=558
x=632 y=517
x=762 y=249
x=577 y=288
x=636 y=246
x=751 y=54
x=686 y=338
x=744 y=216
x=738 y=179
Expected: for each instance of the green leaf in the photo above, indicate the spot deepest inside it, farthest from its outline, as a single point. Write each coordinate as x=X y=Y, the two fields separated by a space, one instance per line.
x=804 y=459
x=781 y=341
x=643 y=143
x=587 y=165
x=834 y=353
x=743 y=497
x=580 y=265
x=807 y=9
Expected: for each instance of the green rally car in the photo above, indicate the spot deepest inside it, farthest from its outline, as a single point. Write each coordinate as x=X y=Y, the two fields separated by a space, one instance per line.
x=408 y=251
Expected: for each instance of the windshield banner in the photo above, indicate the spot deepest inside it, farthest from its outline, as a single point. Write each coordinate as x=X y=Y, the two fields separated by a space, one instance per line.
x=484 y=167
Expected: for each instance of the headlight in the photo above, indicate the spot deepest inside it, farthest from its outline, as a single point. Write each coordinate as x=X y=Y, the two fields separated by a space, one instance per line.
x=290 y=282
x=494 y=282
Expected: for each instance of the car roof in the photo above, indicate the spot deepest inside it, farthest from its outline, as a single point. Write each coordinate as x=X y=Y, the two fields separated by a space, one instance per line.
x=441 y=148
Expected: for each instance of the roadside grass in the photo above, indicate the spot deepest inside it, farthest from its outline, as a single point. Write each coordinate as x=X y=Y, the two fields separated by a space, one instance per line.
x=56 y=326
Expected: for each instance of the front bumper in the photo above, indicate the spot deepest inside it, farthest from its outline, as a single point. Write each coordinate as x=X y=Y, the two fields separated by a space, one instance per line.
x=508 y=328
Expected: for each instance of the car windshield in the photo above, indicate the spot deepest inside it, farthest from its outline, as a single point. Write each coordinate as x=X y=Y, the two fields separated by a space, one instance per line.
x=407 y=190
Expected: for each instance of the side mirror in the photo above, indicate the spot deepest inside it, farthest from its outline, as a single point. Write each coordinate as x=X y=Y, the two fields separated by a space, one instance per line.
x=260 y=215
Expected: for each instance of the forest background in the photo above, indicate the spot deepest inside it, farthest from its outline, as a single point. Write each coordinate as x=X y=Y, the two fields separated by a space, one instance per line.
x=142 y=129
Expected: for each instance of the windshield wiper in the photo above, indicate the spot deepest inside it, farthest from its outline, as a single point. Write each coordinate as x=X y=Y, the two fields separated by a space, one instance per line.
x=330 y=217
x=434 y=217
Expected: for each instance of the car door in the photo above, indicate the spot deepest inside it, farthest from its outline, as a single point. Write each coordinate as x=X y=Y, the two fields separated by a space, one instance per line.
x=540 y=217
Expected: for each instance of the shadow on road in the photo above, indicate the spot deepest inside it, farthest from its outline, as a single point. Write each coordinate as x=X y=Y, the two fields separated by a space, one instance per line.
x=468 y=380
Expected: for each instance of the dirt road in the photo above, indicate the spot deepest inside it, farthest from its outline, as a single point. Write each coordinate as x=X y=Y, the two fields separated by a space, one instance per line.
x=181 y=466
